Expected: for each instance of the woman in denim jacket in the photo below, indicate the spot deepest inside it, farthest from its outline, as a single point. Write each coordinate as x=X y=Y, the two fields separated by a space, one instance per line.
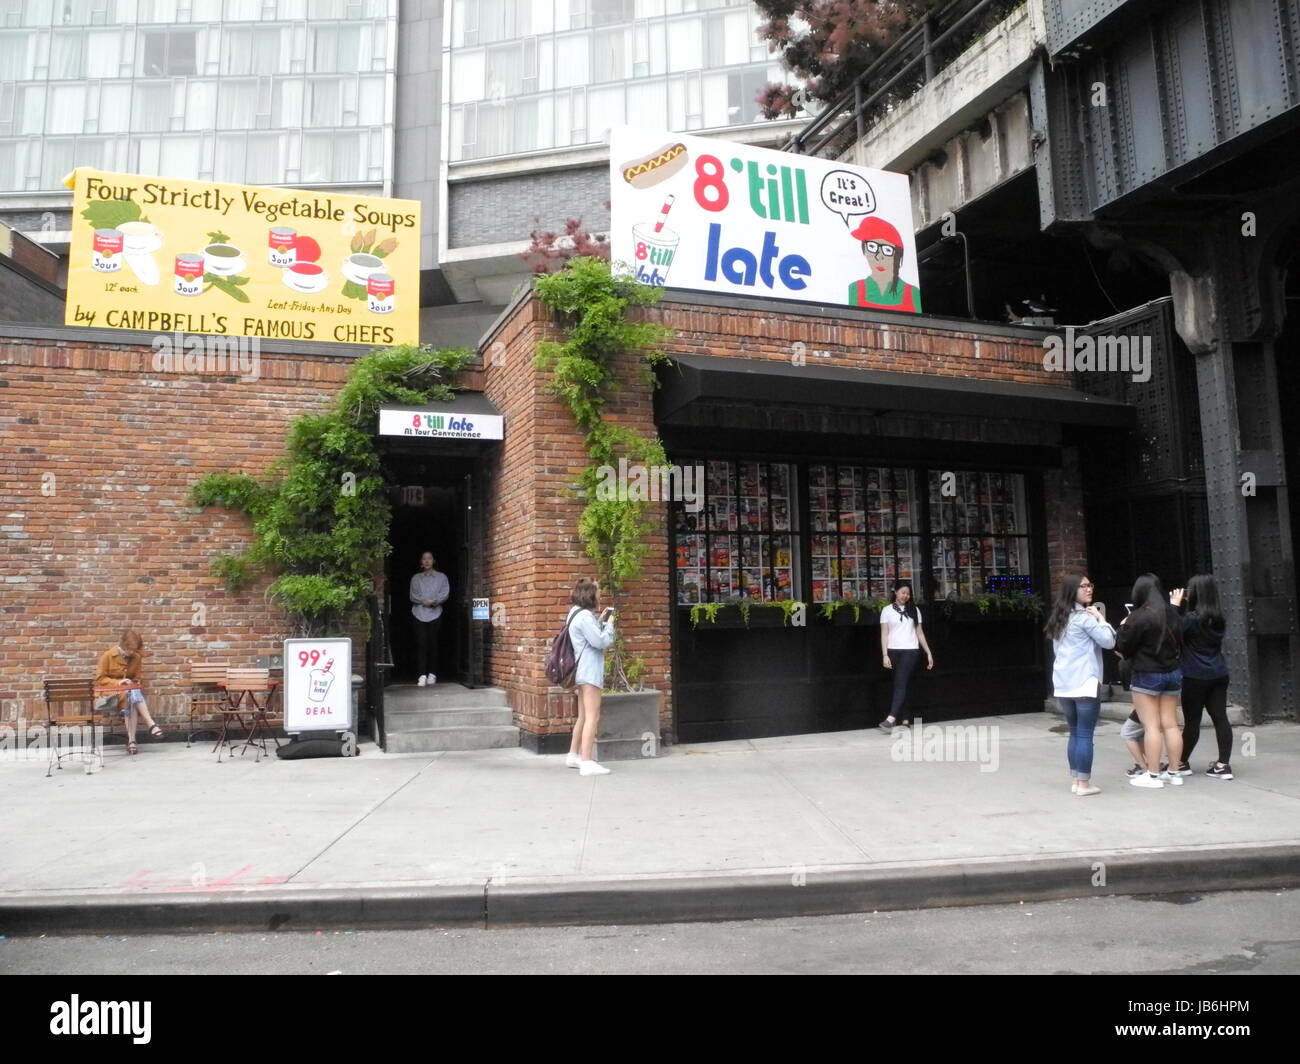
x=1079 y=632
x=591 y=631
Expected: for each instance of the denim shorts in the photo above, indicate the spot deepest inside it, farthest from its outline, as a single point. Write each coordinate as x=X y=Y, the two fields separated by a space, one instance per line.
x=1157 y=683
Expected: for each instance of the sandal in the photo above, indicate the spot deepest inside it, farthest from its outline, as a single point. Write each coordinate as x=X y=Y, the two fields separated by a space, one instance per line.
x=156 y=732
x=132 y=748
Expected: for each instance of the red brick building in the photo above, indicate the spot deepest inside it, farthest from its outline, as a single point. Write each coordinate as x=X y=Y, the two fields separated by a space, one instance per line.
x=840 y=448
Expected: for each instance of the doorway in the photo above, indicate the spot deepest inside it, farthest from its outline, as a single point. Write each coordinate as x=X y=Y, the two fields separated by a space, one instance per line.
x=426 y=517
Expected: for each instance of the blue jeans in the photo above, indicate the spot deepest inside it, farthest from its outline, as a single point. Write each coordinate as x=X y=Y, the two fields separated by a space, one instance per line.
x=1081 y=714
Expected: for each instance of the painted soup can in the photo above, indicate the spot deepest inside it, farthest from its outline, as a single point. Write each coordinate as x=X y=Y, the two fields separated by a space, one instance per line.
x=189 y=275
x=282 y=248
x=107 y=247
x=379 y=287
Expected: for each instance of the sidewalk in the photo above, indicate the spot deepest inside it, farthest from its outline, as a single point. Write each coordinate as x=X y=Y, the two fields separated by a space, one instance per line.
x=795 y=825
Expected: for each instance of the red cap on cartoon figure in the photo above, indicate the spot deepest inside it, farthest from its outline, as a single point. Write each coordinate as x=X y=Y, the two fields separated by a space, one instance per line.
x=874 y=228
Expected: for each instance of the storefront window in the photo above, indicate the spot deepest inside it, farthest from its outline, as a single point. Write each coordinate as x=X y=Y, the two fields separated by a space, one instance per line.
x=862 y=519
x=742 y=539
x=977 y=531
x=866 y=527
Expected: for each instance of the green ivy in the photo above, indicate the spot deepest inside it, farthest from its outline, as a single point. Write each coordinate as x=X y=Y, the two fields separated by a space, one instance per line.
x=321 y=518
x=593 y=305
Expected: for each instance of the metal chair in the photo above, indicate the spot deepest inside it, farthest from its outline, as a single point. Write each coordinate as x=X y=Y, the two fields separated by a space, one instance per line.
x=206 y=696
x=79 y=693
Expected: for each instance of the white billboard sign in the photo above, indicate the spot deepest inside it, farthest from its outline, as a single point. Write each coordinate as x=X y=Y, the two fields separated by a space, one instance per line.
x=709 y=215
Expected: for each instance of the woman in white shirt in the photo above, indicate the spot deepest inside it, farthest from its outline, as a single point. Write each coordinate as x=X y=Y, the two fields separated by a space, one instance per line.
x=901 y=642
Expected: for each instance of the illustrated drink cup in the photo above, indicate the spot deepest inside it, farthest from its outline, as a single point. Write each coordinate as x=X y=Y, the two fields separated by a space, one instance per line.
x=320 y=684
x=283 y=250
x=107 y=247
x=653 y=252
x=379 y=287
x=189 y=275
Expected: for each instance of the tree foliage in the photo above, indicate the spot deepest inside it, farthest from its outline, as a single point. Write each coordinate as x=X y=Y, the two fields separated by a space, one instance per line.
x=549 y=252
x=321 y=517
x=825 y=44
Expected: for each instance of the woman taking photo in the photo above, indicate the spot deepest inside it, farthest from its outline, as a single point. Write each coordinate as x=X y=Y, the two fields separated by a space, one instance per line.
x=1205 y=673
x=121 y=667
x=1079 y=632
x=590 y=636
x=1148 y=638
x=901 y=642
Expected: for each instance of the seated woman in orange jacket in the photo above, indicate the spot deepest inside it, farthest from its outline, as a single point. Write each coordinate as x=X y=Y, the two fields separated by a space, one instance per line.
x=120 y=667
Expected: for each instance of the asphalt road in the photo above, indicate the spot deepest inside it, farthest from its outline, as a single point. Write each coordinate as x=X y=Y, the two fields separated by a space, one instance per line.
x=1248 y=932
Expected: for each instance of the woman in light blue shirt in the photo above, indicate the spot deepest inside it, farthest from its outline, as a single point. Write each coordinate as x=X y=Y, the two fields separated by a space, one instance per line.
x=1078 y=631
x=590 y=637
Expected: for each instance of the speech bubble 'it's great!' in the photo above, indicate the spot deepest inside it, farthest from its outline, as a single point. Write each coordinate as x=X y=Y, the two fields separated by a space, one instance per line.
x=846 y=193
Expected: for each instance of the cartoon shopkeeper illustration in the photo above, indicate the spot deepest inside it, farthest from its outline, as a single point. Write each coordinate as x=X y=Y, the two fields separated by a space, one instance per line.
x=882 y=288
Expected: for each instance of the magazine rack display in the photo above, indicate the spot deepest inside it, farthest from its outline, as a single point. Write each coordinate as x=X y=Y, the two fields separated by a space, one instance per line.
x=862 y=518
x=740 y=544
x=979 y=530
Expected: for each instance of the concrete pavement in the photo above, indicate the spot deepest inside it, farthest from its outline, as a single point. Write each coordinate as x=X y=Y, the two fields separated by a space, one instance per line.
x=796 y=825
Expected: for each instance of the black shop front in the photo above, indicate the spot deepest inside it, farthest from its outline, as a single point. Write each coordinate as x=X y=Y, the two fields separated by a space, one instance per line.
x=824 y=485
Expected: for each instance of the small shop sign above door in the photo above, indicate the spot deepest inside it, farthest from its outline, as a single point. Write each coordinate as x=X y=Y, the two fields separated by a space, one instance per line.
x=441 y=424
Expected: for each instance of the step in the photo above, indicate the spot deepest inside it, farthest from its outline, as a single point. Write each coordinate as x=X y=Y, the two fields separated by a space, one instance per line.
x=400 y=697
x=1119 y=711
x=408 y=719
x=433 y=740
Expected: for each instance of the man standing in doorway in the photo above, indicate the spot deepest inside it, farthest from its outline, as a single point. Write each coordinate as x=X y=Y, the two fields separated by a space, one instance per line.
x=429 y=590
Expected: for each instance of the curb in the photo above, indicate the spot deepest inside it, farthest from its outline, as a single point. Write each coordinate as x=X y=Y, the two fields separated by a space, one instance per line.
x=744 y=896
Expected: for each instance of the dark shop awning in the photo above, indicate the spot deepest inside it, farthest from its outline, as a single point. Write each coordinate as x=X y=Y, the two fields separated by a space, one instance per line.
x=703 y=379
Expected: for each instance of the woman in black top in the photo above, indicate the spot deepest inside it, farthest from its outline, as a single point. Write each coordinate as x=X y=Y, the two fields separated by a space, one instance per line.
x=1205 y=672
x=1149 y=638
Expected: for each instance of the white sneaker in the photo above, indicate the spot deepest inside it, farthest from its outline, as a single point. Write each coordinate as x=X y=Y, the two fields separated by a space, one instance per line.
x=1145 y=780
x=1074 y=787
x=572 y=761
x=1084 y=791
x=1171 y=777
x=590 y=768
x=420 y=682
x=432 y=679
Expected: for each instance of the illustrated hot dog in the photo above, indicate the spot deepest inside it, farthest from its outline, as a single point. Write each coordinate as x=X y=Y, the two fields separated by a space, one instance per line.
x=656 y=167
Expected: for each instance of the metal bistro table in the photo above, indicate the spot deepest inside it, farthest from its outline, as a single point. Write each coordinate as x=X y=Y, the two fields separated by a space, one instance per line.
x=248 y=692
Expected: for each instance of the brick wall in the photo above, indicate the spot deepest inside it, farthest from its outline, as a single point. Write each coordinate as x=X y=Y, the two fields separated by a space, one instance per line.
x=95 y=535
x=1067 y=541
x=536 y=555
x=101 y=451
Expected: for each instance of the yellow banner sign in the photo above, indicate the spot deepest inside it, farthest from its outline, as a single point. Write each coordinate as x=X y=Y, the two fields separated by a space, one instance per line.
x=166 y=255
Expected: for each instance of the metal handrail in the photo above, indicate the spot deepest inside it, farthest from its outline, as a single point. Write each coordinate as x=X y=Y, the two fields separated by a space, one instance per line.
x=853 y=104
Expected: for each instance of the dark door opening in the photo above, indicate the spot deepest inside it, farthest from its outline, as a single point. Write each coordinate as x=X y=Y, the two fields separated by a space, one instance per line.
x=428 y=515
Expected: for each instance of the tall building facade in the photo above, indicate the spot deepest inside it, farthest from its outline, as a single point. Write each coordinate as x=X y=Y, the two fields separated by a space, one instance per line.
x=530 y=90
x=533 y=75
x=277 y=92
